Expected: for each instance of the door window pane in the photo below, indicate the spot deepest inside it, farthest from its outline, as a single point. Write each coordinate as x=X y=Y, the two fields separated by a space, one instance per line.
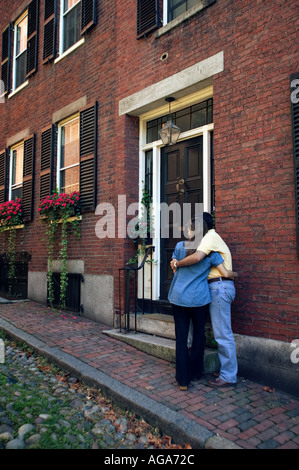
x=149 y=172
x=188 y=118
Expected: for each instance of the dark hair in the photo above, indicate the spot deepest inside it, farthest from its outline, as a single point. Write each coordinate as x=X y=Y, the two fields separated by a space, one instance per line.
x=205 y=229
x=209 y=220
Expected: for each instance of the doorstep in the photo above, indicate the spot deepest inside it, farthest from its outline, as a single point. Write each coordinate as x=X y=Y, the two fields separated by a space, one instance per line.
x=161 y=347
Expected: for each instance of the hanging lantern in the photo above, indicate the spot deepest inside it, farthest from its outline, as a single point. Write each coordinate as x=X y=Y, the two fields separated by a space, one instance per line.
x=169 y=132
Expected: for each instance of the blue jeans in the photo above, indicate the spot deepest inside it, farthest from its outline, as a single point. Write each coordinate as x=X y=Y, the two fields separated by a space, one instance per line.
x=223 y=294
x=189 y=364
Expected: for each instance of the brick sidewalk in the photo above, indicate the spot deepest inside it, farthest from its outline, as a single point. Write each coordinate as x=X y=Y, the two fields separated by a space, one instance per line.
x=246 y=415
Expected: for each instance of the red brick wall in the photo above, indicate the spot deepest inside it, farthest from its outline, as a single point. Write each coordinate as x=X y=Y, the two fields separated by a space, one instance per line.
x=254 y=178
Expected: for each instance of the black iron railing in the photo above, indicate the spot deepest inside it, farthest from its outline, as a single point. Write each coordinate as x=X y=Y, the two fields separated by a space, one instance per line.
x=128 y=289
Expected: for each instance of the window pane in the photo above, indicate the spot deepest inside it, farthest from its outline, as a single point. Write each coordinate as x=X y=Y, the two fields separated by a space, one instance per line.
x=67 y=4
x=183 y=119
x=20 y=72
x=199 y=118
x=188 y=118
x=192 y=3
x=21 y=36
x=149 y=172
x=70 y=144
x=16 y=193
x=17 y=166
x=72 y=27
x=152 y=133
x=178 y=7
x=70 y=180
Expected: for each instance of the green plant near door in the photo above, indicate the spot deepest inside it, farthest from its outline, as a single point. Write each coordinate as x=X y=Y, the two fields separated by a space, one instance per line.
x=60 y=211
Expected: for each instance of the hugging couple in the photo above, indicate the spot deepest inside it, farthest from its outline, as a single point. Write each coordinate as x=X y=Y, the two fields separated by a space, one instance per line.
x=203 y=282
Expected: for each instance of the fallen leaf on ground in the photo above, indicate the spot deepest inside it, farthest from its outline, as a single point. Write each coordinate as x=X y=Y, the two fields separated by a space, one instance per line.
x=268 y=389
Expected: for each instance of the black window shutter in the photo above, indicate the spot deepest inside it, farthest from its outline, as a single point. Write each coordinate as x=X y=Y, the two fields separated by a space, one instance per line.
x=3 y=175
x=147 y=17
x=47 y=159
x=50 y=23
x=6 y=58
x=88 y=14
x=295 y=125
x=32 y=37
x=88 y=158
x=28 y=173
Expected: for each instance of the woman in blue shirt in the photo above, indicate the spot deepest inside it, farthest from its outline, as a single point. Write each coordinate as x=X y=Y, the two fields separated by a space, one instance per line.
x=189 y=295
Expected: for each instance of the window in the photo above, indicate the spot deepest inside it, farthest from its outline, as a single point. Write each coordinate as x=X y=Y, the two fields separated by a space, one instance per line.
x=188 y=118
x=70 y=23
x=20 y=50
x=69 y=156
x=178 y=7
x=76 y=150
x=16 y=171
x=148 y=177
x=75 y=18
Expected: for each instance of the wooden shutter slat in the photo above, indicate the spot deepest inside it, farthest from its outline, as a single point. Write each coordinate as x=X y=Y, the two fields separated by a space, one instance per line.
x=50 y=23
x=32 y=37
x=88 y=15
x=295 y=127
x=28 y=173
x=88 y=158
x=3 y=175
x=6 y=59
x=47 y=158
x=147 y=16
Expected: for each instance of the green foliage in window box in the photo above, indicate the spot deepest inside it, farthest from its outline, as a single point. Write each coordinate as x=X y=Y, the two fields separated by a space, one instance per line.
x=60 y=209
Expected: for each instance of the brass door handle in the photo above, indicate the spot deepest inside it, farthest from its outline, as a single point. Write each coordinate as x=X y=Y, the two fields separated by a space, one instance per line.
x=180 y=191
x=180 y=181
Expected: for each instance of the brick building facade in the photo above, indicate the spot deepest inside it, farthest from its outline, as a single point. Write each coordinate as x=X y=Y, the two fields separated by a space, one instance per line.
x=103 y=69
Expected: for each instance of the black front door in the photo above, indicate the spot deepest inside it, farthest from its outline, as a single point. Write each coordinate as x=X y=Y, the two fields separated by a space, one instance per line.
x=182 y=182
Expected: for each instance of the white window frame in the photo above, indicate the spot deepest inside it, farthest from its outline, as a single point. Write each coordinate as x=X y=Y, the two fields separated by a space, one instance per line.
x=156 y=146
x=62 y=51
x=59 y=168
x=14 y=186
x=14 y=87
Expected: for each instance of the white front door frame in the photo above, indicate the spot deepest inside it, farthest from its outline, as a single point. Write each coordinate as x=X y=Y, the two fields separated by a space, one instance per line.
x=156 y=146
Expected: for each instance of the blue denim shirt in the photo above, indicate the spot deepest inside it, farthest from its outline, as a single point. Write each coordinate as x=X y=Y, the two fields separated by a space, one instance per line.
x=189 y=287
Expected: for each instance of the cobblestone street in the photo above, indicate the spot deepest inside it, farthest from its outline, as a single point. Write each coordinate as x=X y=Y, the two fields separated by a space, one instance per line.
x=42 y=407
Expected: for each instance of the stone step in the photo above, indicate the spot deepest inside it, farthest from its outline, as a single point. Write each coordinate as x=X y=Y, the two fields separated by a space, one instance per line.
x=164 y=348
x=156 y=324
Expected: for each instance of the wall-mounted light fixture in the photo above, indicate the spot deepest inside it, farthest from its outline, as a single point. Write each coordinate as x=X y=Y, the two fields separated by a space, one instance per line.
x=169 y=132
